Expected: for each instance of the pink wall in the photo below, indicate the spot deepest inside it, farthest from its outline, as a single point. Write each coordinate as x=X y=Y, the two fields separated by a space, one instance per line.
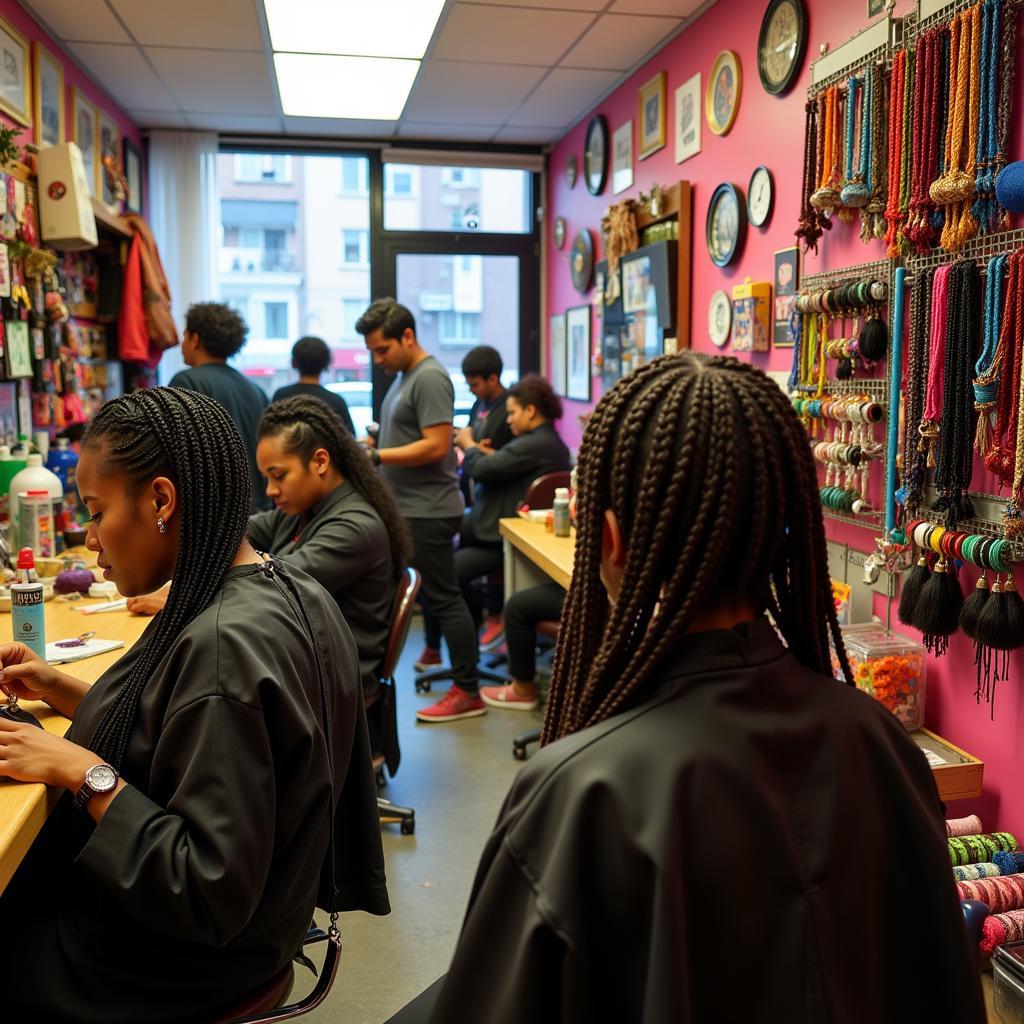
x=769 y=130
x=73 y=77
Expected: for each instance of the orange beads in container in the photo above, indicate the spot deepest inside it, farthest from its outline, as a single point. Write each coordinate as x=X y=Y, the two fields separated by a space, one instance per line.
x=891 y=668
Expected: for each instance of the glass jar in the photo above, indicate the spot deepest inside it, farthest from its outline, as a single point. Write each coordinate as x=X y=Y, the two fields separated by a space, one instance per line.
x=891 y=668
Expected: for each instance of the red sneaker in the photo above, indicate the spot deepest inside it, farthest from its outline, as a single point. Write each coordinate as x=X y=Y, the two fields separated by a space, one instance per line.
x=492 y=634
x=430 y=658
x=506 y=697
x=455 y=704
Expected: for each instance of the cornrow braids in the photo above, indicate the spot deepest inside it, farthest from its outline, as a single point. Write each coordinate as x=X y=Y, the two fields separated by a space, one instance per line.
x=691 y=453
x=305 y=424
x=189 y=438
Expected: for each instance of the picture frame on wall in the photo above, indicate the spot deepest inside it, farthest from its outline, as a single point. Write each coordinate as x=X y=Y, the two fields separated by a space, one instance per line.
x=688 y=119
x=133 y=175
x=17 y=350
x=875 y=7
x=556 y=339
x=48 y=97
x=85 y=135
x=622 y=158
x=651 y=102
x=786 y=280
x=15 y=77
x=109 y=144
x=723 y=92
x=577 y=329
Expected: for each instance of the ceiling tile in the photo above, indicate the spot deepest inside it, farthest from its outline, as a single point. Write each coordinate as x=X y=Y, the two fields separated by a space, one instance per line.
x=224 y=25
x=562 y=97
x=85 y=20
x=672 y=8
x=457 y=92
x=124 y=73
x=528 y=135
x=508 y=35
x=339 y=128
x=447 y=132
x=234 y=122
x=618 y=42
x=216 y=81
x=158 y=119
x=564 y=5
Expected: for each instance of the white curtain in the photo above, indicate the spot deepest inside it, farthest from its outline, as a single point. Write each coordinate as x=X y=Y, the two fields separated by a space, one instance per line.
x=184 y=210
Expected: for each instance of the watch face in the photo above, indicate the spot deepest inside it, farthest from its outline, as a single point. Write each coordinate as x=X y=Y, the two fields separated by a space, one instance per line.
x=101 y=778
x=759 y=196
x=780 y=45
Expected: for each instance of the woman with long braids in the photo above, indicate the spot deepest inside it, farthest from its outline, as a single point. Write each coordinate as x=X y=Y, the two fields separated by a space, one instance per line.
x=182 y=874
x=715 y=828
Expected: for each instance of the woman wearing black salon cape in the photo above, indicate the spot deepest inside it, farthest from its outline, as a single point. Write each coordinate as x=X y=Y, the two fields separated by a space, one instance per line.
x=193 y=880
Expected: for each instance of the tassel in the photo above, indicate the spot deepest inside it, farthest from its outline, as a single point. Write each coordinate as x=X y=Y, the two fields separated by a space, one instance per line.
x=986 y=426
x=1000 y=627
x=969 y=615
x=874 y=339
x=913 y=584
x=844 y=368
x=937 y=612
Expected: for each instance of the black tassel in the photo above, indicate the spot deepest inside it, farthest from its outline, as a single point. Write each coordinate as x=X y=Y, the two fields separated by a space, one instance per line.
x=913 y=583
x=973 y=606
x=937 y=612
x=844 y=369
x=873 y=340
x=1000 y=628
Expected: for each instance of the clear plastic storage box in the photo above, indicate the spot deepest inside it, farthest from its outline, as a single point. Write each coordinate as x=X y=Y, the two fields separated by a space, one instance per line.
x=891 y=668
x=1008 y=982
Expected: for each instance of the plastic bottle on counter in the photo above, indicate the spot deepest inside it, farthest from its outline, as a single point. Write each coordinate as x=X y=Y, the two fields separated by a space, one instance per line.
x=28 y=621
x=560 y=507
x=36 y=525
x=34 y=477
x=63 y=462
x=10 y=467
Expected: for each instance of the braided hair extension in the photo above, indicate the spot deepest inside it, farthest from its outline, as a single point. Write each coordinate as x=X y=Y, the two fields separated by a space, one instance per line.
x=915 y=457
x=190 y=439
x=305 y=424
x=808 y=228
x=1008 y=57
x=896 y=144
x=690 y=453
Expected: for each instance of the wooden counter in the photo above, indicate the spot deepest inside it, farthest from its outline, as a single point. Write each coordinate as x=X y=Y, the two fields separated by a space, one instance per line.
x=25 y=806
x=529 y=548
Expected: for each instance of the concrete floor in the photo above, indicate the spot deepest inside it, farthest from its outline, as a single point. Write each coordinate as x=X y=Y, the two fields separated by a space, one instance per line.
x=455 y=776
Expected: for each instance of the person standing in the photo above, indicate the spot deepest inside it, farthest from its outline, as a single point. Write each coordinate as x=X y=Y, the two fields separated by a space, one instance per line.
x=214 y=333
x=311 y=357
x=415 y=453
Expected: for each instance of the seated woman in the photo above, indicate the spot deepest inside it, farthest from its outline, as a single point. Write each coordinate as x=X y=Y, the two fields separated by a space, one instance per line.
x=184 y=874
x=713 y=827
x=501 y=478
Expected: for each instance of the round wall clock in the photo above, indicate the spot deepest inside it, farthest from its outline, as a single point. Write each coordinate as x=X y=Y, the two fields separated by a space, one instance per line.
x=726 y=224
x=571 y=170
x=595 y=157
x=722 y=97
x=582 y=261
x=559 y=232
x=760 y=196
x=781 y=44
x=719 y=318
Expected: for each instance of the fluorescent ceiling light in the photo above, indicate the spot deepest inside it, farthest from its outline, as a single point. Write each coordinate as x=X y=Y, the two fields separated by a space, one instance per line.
x=368 y=88
x=357 y=28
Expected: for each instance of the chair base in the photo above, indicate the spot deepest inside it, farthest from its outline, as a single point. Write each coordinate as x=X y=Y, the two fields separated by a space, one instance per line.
x=425 y=679
x=522 y=741
x=393 y=814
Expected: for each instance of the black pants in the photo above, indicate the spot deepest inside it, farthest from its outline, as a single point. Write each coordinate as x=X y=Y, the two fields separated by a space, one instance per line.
x=434 y=558
x=523 y=610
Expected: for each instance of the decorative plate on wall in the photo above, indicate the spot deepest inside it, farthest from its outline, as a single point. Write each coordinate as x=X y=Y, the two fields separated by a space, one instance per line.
x=581 y=261
x=571 y=170
x=559 y=232
x=595 y=157
x=781 y=44
x=722 y=97
x=760 y=196
x=726 y=224
x=719 y=318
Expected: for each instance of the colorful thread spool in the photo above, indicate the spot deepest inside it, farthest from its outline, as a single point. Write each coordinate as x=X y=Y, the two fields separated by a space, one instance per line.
x=1000 y=928
x=974 y=849
x=1000 y=894
x=1007 y=862
x=969 y=826
x=972 y=872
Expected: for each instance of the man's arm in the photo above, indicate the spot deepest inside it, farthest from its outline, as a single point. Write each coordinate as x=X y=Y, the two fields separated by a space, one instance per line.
x=432 y=447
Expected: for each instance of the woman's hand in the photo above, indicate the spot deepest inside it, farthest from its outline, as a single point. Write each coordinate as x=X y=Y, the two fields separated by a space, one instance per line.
x=31 y=754
x=24 y=674
x=148 y=604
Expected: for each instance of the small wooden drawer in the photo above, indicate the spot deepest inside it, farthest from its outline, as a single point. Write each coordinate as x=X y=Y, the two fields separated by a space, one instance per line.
x=957 y=774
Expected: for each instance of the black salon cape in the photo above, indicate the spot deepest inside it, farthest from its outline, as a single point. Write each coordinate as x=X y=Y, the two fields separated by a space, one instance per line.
x=200 y=880
x=756 y=843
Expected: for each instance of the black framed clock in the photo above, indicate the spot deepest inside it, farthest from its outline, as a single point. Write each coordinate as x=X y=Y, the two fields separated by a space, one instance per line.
x=781 y=45
x=595 y=155
x=726 y=224
x=760 y=196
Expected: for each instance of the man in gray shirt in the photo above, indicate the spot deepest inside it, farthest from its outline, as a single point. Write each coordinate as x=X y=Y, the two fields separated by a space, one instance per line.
x=415 y=453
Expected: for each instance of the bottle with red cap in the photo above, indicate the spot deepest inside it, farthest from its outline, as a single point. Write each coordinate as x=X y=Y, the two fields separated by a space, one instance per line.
x=28 y=620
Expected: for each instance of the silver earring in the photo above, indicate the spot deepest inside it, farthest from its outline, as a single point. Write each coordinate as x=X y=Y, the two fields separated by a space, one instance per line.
x=161 y=525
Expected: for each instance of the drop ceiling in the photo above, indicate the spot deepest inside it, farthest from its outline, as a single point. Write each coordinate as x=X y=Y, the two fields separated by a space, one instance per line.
x=502 y=71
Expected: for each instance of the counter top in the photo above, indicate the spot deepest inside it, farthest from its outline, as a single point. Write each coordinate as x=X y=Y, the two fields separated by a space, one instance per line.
x=552 y=554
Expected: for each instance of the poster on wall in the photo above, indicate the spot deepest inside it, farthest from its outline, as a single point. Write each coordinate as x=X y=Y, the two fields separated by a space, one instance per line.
x=15 y=83
x=651 y=116
x=787 y=283
x=84 y=128
x=49 y=98
x=577 y=325
x=557 y=368
x=687 y=119
x=622 y=158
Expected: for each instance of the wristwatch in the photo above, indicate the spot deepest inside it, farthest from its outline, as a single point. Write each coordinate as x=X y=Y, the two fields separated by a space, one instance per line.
x=100 y=778
x=374 y=456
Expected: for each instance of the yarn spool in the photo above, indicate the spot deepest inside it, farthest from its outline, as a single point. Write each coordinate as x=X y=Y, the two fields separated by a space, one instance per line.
x=1010 y=187
x=999 y=894
x=1001 y=928
x=972 y=872
x=969 y=826
x=1009 y=862
x=974 y=849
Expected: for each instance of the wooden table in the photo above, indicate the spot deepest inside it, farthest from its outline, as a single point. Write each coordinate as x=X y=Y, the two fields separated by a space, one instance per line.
x=534 y=556
x=25 y=806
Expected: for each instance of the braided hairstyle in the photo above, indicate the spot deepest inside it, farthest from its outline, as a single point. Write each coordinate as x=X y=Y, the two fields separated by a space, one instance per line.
x=306 y=424
x=190 y=439
x=710 y=474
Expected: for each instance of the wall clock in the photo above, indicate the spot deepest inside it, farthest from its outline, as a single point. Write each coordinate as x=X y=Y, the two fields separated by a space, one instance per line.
x=781 y=44
x=559 y=232
x=581 y=261
x=760 y=196
x=595 y=158
x=719 y=318
x=726 y=224
x=722 y=96
x=571 y=170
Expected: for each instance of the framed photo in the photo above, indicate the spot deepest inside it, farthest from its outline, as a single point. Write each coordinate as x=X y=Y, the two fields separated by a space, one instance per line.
x=109 y=145
x=688 y=119
x=557 y=369
x=15 y=84
x=17 y=350
x=48 y=99
x=577 y=327
x=85 y=134
x=875 y=7
x=133 y=174
x=651 y=116
x=722 y=97
x=787 y=283
x=622 y=158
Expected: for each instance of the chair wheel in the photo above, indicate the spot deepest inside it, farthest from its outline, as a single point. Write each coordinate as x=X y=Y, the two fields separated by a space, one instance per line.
x=408 y=826
x=518 y=752
x=422 y=687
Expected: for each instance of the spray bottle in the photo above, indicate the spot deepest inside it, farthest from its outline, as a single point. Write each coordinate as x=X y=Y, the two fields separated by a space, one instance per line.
x=27 y=615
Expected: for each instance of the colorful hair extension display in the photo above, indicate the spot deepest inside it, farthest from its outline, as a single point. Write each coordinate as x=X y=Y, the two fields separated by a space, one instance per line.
x=809 y=229
x=972 y=872
x=989 y=364
x=973 y=849
x=1009 y=862
x=1001 y=928
x=999 y=894
x=825 y=197
x=969 y=826
x=899 y=151
x=919 y=230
